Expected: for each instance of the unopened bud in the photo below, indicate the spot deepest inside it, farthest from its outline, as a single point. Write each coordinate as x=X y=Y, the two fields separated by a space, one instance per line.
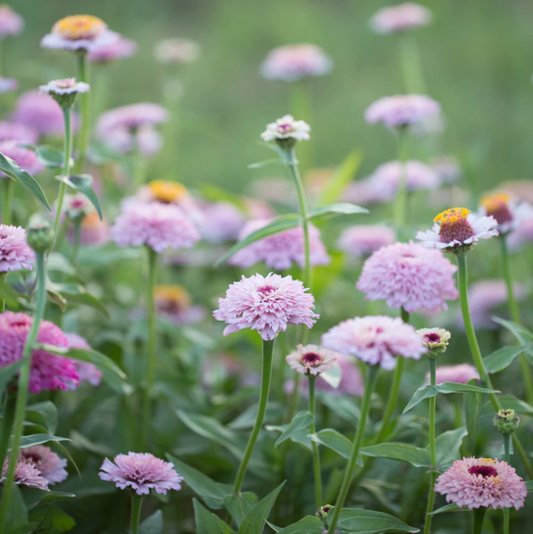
x=39 y=235
x=436 y=341
x=323 y=511
x=506 y=421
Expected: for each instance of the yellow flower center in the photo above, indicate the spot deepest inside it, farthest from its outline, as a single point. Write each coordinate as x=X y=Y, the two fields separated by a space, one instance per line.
x=171 y=298
x=495 y=201
x=452 y=215
x=79 y=27
x=167 y=192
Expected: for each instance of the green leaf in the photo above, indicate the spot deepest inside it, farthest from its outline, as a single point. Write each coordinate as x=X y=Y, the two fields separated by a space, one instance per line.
x=502 y=358
x=44 y=414
x=332 y=376
x=279 y=224
x=529 y=485
x=8 y=294
x=300 y=421
x=342 y=208
x=83 y=183
x=11 y=169
x=7 y=373
x=222 y=527
x=275 y=162
x=239 y=506
x=425 y=392
x=335 y=441
x=73 y=293
x=204 y=519
x=342 y=406
x=448 y=445
x=307 y=525
x=452 y=387
x=448 y=508
x=344 y=175
x=152 y=524
x=39 y=439
x=16 y=517
x=521 y=333
x=212 y=493
x=254 y=522
x=510 y=402
x=52 y=520
x=33 y=497
x=49 y=157
x=300 y=436
x=402 y=452
x=370 y=522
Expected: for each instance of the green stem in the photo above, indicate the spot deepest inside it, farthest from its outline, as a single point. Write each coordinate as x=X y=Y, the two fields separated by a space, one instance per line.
x=151 y=348
x=83 y=138
x=372 y=373
x=7 y=423
x=401 y=193
x=432 y=447
x=411 y=65
x=266 y=375
x=136 y=505
x=479 y=516
x=476 y=353
x=316 y=454
x=23 y=383
x=302 y=109
x=8 y=201
x=76 y=242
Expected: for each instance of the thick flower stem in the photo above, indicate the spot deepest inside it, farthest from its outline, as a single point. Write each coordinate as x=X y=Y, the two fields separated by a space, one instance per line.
x=302 y=109
x=476 y=353
x=151 y=346
x=8 y=201
x=7 y=422
x=136 y=505
x=401 y=193
x=411 y=65
x=479 y=516
x=76 y=243
x=266 y=375
x=85 y=129
x=507 y=511
x=316 y=453
x=23 y=383
x=370 y=382
x=432 y=447
x=515 y=316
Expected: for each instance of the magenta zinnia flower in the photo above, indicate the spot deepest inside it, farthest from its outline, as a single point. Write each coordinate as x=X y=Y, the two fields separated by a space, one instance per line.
x=410 y=276
x=11 y=23
x=18 y=132
x=375 y=340
x=24 y=157
x=26 y=474
x=141 y=472
x=47 y=370
x=267 y=304
x=311 y=359
x=459 y=374
x=51 y=466
x=400 y=18
x=15 y=254
x=402 y=110
x=86 y=371
x=476 y=482
x=360 y=240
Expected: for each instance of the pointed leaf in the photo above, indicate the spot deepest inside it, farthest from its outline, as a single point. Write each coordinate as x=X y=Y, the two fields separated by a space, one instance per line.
x=502 y=358
x=510 y=402
x=39 y=439
x=222 y=527
x=452 y=507
x=254 y=522
x=44 y=414
x=332 y=376
x=152 y=524
x=473 y=404
x=307 y=525
x=370 y=522
x=402 y=452
x=239 y=506
x=33 y=497
x=425 y=392
x=342 y=208
x=84 y=184
x=335 y=441
x=300 y=421
x=448 y=445
x=452 y=387
x=49 y=157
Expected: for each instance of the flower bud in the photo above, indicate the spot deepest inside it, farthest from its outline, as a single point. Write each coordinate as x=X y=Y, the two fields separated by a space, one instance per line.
x=506 y=421
x=322 y=512
x=39 y=235
x=435 y=340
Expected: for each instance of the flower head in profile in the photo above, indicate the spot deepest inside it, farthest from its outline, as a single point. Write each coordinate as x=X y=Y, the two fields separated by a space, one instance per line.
x=400 y=18
x=291 y=63
x=177 y=51
x=508 y=214
x=15 y=254
x=173 y=302
x=435 y=340
x=77 y=206
x=286 y=132
x=26 y=474
x=51 y=466
x=86 y=370
x=266 y=304
x=11 y=23
x=64 y=91
x=409 y=276
x=142 y=472
x=482 y=482
x=311 y=360
x=457 y=230
x=361 y=240
x=376 y=340
x=121 y=48
x=458 y=374
x=25 y=158
x=18 y=133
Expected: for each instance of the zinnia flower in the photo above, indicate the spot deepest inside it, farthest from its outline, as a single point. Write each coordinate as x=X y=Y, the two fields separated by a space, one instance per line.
x=64 y=91
x=121 y=48
x=177 y=51
x=47 y=370
x=145 y=140
x=7 y=85
x=434 y=338
x=311 y=359
x=367 y=191
x=51 y=466
x=220 y=222
x=86 y=370
x=23 y=157
x=15 y=254
x=11 y=23
x=26 y=474
x=266 y=304
x=294 y=62
x=417 y=176
x=286 y=131
x=410 y=276
x=174 y=302
x=375 y=340
x=458 y=374
x=400 y=18
x=142 y=472
x=360 y=240
x=132 y=117
x=508 y=214
x=458 y=230
x=93 y=230
x=77 y=206
x=280 y=250
x=475 y=482
x=402 y=110
x=18 y=133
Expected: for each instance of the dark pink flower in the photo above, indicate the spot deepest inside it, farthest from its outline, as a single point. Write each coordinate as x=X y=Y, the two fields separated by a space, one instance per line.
x=15 y=254
x=51 y=466
x=26 y=474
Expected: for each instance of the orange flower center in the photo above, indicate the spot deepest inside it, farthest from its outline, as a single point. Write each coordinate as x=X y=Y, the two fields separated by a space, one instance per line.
x=167 y=192
x=171 y=298
x=79 y=27
x=497 y=205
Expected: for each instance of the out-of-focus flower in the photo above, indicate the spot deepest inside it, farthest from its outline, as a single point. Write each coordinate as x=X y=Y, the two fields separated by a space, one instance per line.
x=522 y=234
x=26 y=474
x=294 y=62
x=266 y=304
x=435 y=340
x=17 y=133
x=64 y=91
x=47 y=370
x=274 y=189
x=458 y=230
x=158 y=226
x=121 y=48
x=79 y=32
x=367 y=191
x=132 y=117
x=286 y=132
x=447 y=168
x=220 y=222
x=122 y=141
x=522 y=189
x=86 y=370
x=23 y=157
x=417 y=176
x=11 y=23
x=361 y=240
x=77 y=206
x=93 y=230
x=311 y=359
x=142 y=472
x=51 y=466
x=508 y=214
x=482 y=482
x=402 y=110
x=400 y=18
x=409 y=276
x=280 y=250
x=8 y=84
x=376 y=340
x=458 y=374
x=177 y=51
x=257 y=209
x=174 y=302
x=15 y=254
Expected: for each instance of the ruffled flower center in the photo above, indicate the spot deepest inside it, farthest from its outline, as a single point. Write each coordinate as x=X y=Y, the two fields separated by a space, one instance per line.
x=79 y=27
x=311 y=358
x=497 y=206
x=484 y=470
x=66 y=83
x=432 y=337
x=454 y=225
x=266 y=290
x=167 y=192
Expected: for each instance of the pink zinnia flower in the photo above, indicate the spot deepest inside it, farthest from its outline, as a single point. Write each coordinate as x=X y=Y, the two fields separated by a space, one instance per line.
x=417 y=176
x=11 y=23
x=375 y=340
x=47 y=370
x=177 y=51
x=86 y=371
x=522 y=234
x=15 y=254
x=360 y=240
x=267 y=304
x=18 y=132
x=132 y=117
x=291 y=63
x=121 y=48
x=400 y=18
x=402 y=110
x=448 y=169
x=459 y=374
x=51 y=466
x=142 y=472
x=311 y=359
x=220 y=222
x=122 y=141
x=508 y=213
x=158 y=226
x=280 y=250
x=410 y=276
x=23 y=157
x=26 y=474
x=367 y=191
x=476 y=482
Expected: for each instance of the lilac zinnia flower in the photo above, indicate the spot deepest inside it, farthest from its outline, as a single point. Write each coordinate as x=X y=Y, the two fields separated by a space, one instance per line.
x=23 y=157
x=51 y=466
x=280 y=250
x=47 y=370
x=311 y=359
x=18 y=133
x=15 y=253
x=132 y=117
x=291 y=63
x=177 y=51
x=360 y=240
x=458 y=374
x=402 y=110
x=158 y=226
x=121 y=48
x=476 y=482
x=375 y=340
x=122 y=141
x=11 y=23
x=220 y=222
x=26 y=474
x=86 y=370
x=409 y=276
x=267 y=304
x=142 y=472
x=400 y=18
x=417 y=176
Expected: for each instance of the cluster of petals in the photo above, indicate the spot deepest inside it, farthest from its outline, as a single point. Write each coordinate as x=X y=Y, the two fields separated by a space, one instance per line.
x=363 y=239
x=291 y=63
x=402 y=110
x=400 y=18
x=266 y=304
x=142 y=472
x=482 y=482
x=177 y=51
x=25 y=158
x=410 y=276
x=11 y=23
x=18 y=133
x=86 y=370
x=280 y=250
x=287 y=128
x=311 y=359
x=15 y=253
x=26 y=474
x=50 y=465
x=121 y=48
x=376 y=340
x=220 y=222
x=458 y=374
x=416 y=175
x=67 y=86
x=173 y=302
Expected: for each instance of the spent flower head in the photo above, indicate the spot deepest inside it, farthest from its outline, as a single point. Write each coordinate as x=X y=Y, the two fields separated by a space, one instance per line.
x=311 y=360
x=64 y=91
x=506 y=421
x=436 y=340
x=286 y=132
